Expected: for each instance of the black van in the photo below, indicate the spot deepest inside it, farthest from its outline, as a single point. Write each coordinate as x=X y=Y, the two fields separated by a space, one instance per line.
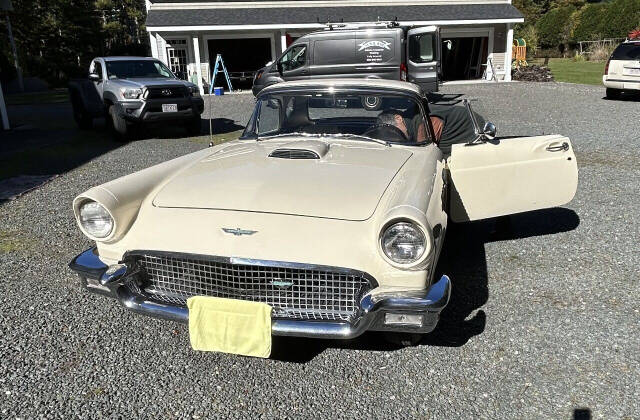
x=379 y=51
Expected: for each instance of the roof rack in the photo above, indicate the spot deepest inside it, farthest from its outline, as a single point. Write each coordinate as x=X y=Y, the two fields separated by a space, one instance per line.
x=332 y=26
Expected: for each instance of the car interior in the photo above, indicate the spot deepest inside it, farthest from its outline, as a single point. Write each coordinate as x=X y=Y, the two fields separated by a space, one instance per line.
x=347 y=114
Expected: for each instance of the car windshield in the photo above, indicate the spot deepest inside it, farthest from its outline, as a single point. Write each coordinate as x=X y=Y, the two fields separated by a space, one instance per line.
x=386 y=118
x=130 y=69
x=630 y=51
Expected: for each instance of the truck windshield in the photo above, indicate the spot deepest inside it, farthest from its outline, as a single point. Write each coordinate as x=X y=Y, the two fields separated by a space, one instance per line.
x=130 y=69
x=376 y=117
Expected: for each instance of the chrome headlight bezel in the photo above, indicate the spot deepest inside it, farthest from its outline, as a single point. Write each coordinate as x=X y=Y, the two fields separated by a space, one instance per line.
x=131 y=93
x=419 y=231
x=91 y=209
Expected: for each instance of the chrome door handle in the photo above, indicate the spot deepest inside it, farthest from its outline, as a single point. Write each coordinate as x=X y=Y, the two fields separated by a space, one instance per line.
x=559 y=148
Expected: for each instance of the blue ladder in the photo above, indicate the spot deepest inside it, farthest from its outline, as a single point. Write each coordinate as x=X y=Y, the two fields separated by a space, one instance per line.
x=219 y=63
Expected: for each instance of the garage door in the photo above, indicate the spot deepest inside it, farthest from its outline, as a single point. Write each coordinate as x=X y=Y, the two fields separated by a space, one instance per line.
x=242 y=56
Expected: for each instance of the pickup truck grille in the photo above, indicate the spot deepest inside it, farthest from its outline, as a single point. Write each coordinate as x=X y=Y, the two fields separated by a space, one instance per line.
x=166 y=92
x=294 y=291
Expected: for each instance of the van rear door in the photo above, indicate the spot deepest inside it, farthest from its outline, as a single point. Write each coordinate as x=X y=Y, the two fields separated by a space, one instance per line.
x=423 y=57
x=378 y=53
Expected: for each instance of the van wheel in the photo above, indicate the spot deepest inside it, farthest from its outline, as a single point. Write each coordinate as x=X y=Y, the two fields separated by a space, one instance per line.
x=120 y=128
x=613 y=93
x=371 y=103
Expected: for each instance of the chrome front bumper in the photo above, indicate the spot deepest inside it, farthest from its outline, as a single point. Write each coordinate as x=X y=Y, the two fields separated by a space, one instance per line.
x=99 y=278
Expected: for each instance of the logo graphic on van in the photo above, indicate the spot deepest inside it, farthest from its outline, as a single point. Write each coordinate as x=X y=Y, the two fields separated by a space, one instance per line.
x=369 y=44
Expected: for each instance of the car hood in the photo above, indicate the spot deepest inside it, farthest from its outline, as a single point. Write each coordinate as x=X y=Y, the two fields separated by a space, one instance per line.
x=345 y=181
x=150 y=82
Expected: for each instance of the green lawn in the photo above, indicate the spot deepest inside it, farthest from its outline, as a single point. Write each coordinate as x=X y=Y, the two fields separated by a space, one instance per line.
x=567 y=70
x=46 y=97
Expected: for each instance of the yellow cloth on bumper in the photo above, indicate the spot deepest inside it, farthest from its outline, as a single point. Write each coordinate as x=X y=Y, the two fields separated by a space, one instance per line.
x=230 y=326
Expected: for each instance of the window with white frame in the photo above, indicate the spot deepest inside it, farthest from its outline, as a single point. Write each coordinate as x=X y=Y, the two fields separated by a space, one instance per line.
x=177 y=57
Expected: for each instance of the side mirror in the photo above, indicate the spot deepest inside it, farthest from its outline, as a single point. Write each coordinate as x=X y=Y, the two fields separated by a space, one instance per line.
x=279 y=66
x=448 y=43
x=94 y=77
x=489 y=130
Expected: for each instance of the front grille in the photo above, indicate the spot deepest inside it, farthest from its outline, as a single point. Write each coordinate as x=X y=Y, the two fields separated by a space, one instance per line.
x=166 y=92
x=293 y=291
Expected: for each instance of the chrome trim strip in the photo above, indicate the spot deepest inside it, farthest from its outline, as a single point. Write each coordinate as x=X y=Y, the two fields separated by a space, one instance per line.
x=253 y=262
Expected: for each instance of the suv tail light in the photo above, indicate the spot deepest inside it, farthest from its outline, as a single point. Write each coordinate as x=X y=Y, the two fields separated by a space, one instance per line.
x=403 y=72
x=606 y=67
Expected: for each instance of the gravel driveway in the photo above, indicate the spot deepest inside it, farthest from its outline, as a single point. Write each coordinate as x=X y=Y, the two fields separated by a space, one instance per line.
x=543 y=322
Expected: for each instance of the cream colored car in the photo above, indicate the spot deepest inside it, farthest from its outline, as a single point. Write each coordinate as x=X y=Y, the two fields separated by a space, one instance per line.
x=332 y=208
x=622 y=71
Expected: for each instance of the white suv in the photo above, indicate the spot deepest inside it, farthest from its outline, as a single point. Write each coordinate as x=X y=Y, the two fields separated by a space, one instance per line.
x=622 y=71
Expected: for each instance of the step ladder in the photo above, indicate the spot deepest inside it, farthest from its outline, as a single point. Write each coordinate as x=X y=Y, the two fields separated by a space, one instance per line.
x=219 y=63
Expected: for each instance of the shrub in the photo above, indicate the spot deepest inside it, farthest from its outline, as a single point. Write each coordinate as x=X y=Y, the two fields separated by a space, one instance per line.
x=588 y=22
x=621 y=17
x=578 y=58
x=601 y=50
x=554 y=28
x=530 y=35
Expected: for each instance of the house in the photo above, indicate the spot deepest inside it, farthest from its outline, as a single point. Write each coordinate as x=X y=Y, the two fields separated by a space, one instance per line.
x=188 y=34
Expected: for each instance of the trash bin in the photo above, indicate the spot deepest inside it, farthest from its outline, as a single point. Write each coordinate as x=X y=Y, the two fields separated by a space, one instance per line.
x=218 y=91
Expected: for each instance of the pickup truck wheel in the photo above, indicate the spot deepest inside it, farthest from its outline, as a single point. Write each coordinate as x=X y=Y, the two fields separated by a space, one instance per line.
x=120 y=127
x=403 y=339
x=194 y=126
x=613 y=93
x=84 y=121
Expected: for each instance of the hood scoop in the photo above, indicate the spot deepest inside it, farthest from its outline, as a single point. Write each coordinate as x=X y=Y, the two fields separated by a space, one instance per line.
x=306 y=149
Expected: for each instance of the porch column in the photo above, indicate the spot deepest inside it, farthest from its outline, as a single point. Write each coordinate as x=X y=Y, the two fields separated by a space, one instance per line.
x=508 y=52
x=154 y=45
x=196 y=56
x=160 y=46
x=283 y=40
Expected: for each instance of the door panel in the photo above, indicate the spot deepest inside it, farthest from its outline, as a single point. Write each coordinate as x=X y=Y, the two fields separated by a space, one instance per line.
x=511 y=176
x=423 y=54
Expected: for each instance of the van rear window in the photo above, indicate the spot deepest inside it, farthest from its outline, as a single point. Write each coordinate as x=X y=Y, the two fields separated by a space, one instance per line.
x=629 y=51
x=421 y=47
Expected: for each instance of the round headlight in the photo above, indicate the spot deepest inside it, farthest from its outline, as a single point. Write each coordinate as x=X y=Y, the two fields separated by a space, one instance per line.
x=95 y=219
x=403 y=242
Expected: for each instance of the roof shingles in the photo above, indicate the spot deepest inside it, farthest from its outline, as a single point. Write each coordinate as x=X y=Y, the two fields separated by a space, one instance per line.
x=297 y=15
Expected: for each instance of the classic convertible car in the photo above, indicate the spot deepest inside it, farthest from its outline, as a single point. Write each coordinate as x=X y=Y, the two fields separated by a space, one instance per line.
x=331 y=208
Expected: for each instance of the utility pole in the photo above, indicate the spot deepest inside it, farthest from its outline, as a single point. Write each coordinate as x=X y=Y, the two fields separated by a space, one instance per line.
x=3 y=112
x=6 y=6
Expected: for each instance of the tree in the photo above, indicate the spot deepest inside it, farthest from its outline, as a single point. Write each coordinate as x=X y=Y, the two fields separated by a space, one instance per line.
x=589 y=22
x=621 y=17
x=57 y=38
x=555 y=27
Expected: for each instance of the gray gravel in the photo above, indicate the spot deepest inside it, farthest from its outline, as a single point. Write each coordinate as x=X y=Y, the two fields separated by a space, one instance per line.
x=544 y=320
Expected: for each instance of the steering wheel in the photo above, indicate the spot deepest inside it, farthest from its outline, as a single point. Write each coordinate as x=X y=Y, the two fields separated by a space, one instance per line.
x=387 y=132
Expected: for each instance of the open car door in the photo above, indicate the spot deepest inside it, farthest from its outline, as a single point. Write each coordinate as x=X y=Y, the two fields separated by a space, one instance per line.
x=511 y=175
x=423 y=57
